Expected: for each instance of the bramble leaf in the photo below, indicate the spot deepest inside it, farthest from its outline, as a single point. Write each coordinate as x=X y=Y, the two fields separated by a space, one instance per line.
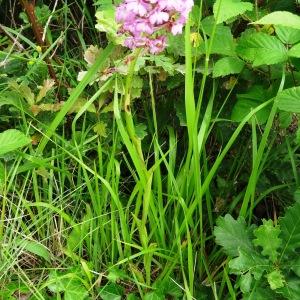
x=261 y=49
x=295 y=51
x=227 y=9
x=290 y=230
x=284 y=18
x=233 y=235
x=288 y=100
x=267 y=237
x=287 y=35
x=223 y=41
x=228 y=65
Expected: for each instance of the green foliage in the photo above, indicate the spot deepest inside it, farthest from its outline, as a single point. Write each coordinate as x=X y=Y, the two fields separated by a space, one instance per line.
x=12 y=140
x=283 y=18
x=131 y=160
x=231 y=235
x=228 y=65
x=227 y=9
x=247 y=102
x=261 y=49
x=288 y=100
x=269 y=262
x=271 y=244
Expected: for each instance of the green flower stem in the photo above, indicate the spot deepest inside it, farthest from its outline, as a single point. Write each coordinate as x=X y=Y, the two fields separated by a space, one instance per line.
x=127 y=107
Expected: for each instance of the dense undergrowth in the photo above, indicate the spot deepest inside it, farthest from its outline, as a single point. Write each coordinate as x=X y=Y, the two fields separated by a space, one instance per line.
x=129 y=175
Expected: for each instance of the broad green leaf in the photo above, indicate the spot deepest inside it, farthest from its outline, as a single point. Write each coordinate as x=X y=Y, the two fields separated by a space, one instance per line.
x=261 y=49
x=111 y=291
x=75 y=290
x=260 y=293
x=141 y=130
x=267 y=237
x=62 y=282
x=223 y=41
x=154 y=296
x=295 y=51
x=247 y=102
x=232 y=235
x=285 y=119
x=132 y=297
x=287 y=35
x=36 y=248
x=228 y=65
x=290 y=230
x=291 y=291
x=289 y=100
x=249 y=261
x=275 y=279
x=11 y=140
x=168 y=287
x=227 y=9
x=245 y=282
x=283 y=18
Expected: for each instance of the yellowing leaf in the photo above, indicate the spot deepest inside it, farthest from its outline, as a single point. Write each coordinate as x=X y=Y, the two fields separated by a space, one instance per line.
x=44 y=89
x=91 y=53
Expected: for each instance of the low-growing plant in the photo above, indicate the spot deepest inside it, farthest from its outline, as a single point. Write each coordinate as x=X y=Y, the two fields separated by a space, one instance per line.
x=265 y=258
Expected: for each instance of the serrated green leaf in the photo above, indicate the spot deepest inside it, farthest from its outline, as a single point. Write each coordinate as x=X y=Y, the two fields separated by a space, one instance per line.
x=154 y=296
x=111 y=291
x=115 y=274
x=228 y=65
x=248 y=262
x=267 y=238
x=275 y=279
x=247 y=102
x=261 y=49
x=141 y=130
x=294 y=51
x=11 y=140
x=259 y=293
x=287 y=35
x=232 y=235
x=284 y=18
x=290 y=230
x=245 y=282
x=75 y=290
x=288 y=100
x=223 y=42
x=227 y=9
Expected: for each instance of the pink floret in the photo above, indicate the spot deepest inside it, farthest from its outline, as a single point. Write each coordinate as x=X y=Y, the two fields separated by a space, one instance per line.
x=144 y=21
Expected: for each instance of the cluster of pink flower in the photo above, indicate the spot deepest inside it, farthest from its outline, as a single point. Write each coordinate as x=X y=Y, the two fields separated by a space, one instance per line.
x=144 y=21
